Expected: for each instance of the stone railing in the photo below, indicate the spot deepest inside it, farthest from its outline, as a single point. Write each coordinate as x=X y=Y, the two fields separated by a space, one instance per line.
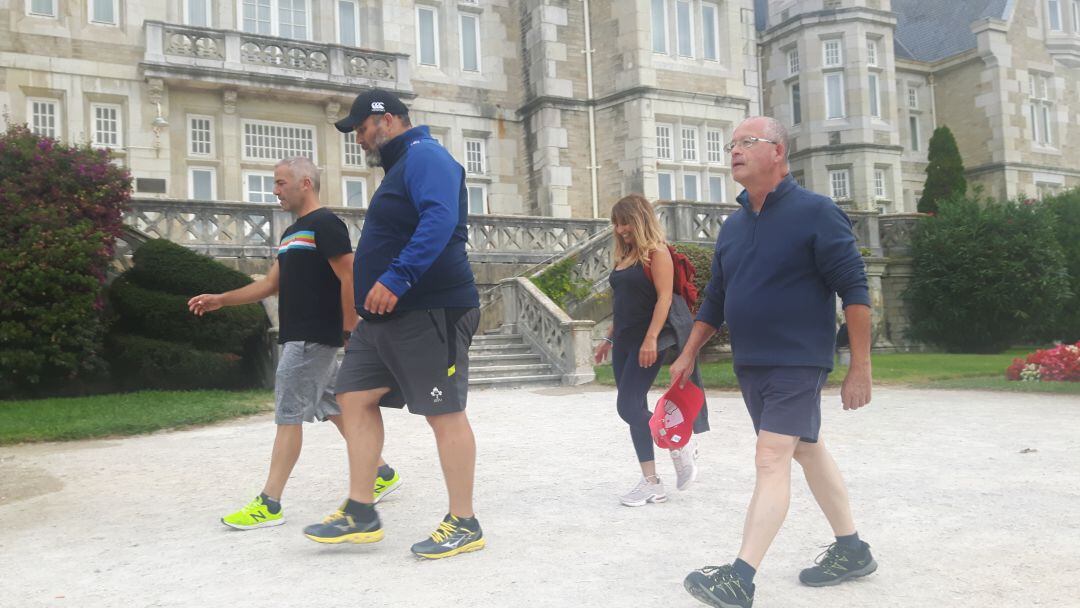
x=865 y=225
x=234 y=229
x=688 y=222
x=896 y=232
x=593 y=262
x=269 y=58
x=565 y=343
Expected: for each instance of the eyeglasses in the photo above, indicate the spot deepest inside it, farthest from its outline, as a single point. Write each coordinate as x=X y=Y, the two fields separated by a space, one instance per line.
x=745 y=143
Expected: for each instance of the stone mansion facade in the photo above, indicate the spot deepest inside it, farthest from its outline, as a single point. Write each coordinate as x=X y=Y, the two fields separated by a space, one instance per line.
x=555 y=107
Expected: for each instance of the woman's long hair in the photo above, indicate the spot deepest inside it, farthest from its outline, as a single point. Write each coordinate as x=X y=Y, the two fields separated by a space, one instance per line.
x=635 y=211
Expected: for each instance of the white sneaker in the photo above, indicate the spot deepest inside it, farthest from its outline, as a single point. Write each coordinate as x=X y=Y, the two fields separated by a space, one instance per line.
x=685 y=460
x=644 y=492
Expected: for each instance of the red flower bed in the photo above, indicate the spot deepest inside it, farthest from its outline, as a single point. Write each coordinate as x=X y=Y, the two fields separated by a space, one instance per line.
x=1058 y=364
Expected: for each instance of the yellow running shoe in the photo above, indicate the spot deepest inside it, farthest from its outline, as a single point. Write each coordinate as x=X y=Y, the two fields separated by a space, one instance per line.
x=340 y=527
x=453 y=536
x=386 y=486
x=254 y=515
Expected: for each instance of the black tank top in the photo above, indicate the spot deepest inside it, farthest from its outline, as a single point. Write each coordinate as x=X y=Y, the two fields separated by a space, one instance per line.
x=634 y=300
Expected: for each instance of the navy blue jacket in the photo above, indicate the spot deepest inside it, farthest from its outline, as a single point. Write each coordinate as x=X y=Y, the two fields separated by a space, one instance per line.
x=414 y=234
x=775 y=276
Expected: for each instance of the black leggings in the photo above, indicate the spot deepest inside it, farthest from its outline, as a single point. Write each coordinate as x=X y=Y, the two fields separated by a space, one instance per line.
x=633 y=383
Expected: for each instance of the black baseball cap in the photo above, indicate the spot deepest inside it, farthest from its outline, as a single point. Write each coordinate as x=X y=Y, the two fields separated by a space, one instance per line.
x=375 y=101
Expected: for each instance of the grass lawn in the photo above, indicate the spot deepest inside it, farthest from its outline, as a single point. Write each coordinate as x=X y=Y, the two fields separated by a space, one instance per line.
x=930 y=370
x=123 y=413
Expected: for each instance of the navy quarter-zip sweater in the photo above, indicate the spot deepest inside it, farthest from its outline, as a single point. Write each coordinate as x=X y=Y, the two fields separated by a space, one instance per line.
x=414 y=234
x=775 y=276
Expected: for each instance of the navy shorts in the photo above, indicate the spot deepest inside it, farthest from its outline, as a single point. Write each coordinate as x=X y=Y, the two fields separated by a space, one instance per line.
x=783 y=400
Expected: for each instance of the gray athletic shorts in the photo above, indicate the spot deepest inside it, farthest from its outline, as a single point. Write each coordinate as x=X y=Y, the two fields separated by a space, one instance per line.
x=421 y=355
x=304 y=386
x=784 y=400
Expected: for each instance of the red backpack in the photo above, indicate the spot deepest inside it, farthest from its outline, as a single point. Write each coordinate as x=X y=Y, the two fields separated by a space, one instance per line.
x=683 y=279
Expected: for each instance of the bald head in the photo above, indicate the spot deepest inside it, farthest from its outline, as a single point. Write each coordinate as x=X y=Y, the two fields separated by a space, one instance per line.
x=773 y=129
x=759 y=156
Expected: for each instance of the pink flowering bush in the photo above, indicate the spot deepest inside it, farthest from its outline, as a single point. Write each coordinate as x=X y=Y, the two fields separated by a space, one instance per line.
x=1058 y=364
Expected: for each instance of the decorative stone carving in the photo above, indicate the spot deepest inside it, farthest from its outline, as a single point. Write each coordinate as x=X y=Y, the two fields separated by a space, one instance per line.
x=333 y=109
x=189 y=43
x=155 y=88
x=228 y=98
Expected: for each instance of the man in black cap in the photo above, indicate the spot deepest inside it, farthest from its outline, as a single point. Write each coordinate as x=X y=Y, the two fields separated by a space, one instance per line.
x=419 y=309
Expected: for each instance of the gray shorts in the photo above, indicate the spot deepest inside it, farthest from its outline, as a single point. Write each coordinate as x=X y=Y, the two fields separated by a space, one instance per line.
x=783 y=400
x=304 y=385
x=421 y=355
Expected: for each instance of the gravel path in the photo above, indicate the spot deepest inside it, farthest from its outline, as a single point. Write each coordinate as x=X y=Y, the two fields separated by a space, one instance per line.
x=968 y=498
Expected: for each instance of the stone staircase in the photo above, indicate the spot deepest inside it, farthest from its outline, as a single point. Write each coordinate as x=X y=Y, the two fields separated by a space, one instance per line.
x=506 y=361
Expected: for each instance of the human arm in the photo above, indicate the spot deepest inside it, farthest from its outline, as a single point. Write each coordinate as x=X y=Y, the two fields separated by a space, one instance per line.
x=663 y=272
x=856 y=389
x=342 y=266
x=252 y=292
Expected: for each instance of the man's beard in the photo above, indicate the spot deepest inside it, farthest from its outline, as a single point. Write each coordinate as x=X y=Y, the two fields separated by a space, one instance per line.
x=373 y=157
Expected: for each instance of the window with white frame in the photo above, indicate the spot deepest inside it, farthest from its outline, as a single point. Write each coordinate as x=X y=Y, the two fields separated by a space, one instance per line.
x=42 y=8
x=913 y=97
x=348 y=16
x=714 y=145
x=689 y=140
x=200 y=135
x=710 y=31
x=717 y=189
x=834 y=95
x=273 y=141
x=874 y=92
x=834 y=56
x=1041 y=108
x=684 y=28
x=663 y=142
x=197 y=13
x=427 y=35
x=470 y=42
x=477 y=198
x=659 y=26
x=665 y=181
x=691 y=187
x=259 y=187
x=880 y=192
x=202 y=183
x=105 y=125
x=871 y=52
x=352 y=152
x=285 y=18
x=796 y=104
x=838 y=185
x=793 y=61
x=913 y=127
x=44 y=117
x=1053 y=9
x=354 y=192
x=104 y=12
x=475 y=161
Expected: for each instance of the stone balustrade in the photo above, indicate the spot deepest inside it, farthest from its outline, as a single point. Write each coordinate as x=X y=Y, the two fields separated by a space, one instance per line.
x=243 y=58
x=565 y=343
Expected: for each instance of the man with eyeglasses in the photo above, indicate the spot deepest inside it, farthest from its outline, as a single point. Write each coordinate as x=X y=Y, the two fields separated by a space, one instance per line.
x=779 y=263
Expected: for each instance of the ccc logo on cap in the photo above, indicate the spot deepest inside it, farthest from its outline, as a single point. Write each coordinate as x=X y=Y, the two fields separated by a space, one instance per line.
x=377 y=106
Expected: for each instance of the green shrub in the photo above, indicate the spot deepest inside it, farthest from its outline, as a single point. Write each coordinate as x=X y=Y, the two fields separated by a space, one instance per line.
x=162 y=265
x=61 y=214
x=985 y=277
x=145 y=363
x=558 y=283
x=1066 y=211
x=165 y=316
x=701 y=258
x=944 y=172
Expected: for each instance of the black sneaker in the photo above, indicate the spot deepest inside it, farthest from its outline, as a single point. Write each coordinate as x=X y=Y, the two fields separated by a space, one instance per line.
x=837 y=564
x=340 y=527
x=719 y=586
x=450 y=538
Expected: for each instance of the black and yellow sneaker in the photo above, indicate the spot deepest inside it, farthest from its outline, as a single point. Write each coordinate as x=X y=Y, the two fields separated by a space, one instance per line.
x=453 y=536
x=839 y=563
x=720 y=587
x=341 y=527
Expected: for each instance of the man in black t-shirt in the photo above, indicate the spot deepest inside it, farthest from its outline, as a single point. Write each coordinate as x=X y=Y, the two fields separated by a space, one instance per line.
x=313 y=277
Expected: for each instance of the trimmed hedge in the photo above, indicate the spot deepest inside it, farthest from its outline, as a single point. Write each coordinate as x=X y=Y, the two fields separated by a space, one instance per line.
x=1066 y=211
x=164 y=266
x=985 y=276
x=61 y=215
x=165 y=316
x=145 y=363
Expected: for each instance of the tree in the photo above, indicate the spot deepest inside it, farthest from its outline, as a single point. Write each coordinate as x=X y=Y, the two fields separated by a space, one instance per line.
x=944 y=173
